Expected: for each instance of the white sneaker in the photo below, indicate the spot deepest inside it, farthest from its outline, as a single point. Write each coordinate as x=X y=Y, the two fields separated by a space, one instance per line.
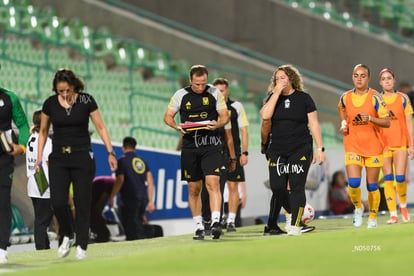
x=372 y=223
x=294 y=231
x=3 y=257
x=52 y=235
x=14 y=239
x=64 y=248
x=358 y=212
x=288 y=222
x=80 y=253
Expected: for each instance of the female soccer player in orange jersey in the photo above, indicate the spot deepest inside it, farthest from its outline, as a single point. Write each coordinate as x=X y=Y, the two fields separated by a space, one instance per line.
x=397 y=138
x=362 y=111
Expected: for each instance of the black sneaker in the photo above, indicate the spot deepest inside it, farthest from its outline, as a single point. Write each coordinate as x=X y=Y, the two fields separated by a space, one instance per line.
x=207 y=228
x=224 y=221
x=199 y=235
x=273 y=231
x=306 y=228
x=231 y=227
x=216 y=230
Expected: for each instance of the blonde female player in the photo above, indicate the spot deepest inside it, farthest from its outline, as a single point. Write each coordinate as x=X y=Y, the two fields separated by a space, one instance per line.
x=397 y=138
x=362 y=111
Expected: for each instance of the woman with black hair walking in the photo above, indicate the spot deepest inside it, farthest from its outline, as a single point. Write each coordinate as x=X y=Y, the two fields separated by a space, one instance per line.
x=72 y=159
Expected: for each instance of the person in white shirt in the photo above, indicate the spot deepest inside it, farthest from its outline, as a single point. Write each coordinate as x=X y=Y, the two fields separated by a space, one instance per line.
x=41 y=201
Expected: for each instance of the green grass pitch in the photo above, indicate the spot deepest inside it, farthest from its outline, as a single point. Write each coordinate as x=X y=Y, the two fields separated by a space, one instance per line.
x=335 y=248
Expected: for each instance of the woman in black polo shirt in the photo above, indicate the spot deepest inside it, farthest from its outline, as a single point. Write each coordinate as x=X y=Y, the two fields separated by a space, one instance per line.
x=71 y=160
x=294 y=126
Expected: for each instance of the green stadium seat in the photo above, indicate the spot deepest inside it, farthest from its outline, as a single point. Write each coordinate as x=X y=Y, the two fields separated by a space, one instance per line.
x=49 y=24
x=180 y=67
x=329 y=134
x=51 y=29
x=141 y=56
x=406 y=22
x=14 y=19
x=75 y=32
x=254 y=140
x=388 y=10
x=368 y=3
x=4 y=15
x=4 y=3
x=237 y=91
x=325 y=9
x=252 y=112
x=407 y=4
x=103 y=43
x=123 y=56
x=21 y=3
x=161 y=62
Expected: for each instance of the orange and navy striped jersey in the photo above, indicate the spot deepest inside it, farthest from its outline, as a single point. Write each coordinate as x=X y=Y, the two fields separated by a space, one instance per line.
x=363 y=138
x=398 y=105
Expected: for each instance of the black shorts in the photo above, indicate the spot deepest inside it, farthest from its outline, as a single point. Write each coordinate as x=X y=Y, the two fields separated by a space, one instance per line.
x=292 y=167
x=197 y=163
x=238 y=174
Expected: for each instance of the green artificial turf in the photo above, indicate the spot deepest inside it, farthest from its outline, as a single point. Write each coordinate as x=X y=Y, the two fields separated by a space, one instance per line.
x=335 y=248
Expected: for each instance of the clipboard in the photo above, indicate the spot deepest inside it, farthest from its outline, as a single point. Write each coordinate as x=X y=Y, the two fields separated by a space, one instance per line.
x=191 y=126
x=41 y=180
x=5 y=142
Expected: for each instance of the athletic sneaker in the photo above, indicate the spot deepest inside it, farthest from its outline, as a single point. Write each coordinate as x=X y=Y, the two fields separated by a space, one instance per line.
x=80 y=253
x=64 y=248
x=216 y=230
x=358 y=212
x=207 y=228
x=3 y=256
x=392 y=220
x=404 y=214
x=306 y=228
x=294 y=231
x=273 y=231
x=288 y=222
x=231 y=227
x=372 y=223
x=199 y=234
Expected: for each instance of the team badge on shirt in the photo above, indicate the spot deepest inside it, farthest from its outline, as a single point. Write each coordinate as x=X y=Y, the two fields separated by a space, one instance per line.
x=1 y=103
x=287 y=103
x=188 y=105
x=205 y=101
x=138 y=165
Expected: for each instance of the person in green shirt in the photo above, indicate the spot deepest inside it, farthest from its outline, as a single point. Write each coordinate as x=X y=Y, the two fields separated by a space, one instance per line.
x=11 y=111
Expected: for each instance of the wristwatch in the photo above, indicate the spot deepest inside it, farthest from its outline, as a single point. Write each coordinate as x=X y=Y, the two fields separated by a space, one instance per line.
x=322 y=149
x=245 y=153
x=112 y=153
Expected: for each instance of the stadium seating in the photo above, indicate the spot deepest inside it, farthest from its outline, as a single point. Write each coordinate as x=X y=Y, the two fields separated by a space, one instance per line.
x=392 y=17
x=329 y=134
x=131 y=82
